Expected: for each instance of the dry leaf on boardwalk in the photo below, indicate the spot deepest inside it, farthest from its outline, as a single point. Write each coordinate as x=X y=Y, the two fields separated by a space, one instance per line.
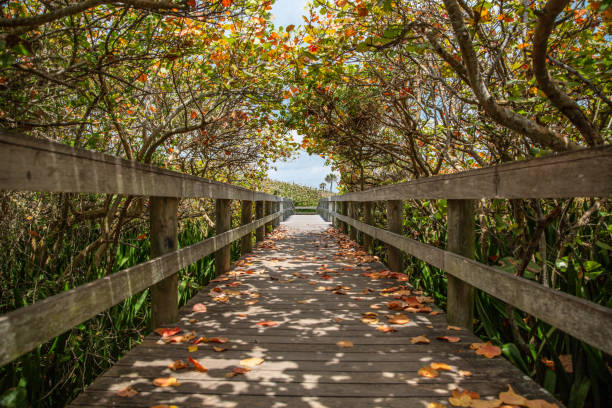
x=199 y=367
x=540 y=403
x=453 y=328
x=127 y=392
x=369 y=318
x=166 y=382
x=237 y=371
x=199 y=308
x=191 y=349
x=428 y=372
x=345 y=344
x=486 y=349
x=485 y=403
x=450 y=339
x=440 y=366
x=386 y=329
x=178 y=365
x=219 y=349
x=220 y=340
x=267 y=324
x=251 y=362
x=512 y=398
x=419 y=340
x=398 y=319
x=167 y=332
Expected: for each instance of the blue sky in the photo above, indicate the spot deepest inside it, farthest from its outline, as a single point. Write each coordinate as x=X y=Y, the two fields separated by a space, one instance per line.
x=306 y=170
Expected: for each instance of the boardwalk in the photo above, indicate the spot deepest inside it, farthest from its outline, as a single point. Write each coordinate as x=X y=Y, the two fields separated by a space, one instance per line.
x=290 y=303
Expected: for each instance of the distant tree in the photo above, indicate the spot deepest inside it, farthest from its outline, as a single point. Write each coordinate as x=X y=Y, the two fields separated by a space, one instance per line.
x=322 y=186
x=331 y=178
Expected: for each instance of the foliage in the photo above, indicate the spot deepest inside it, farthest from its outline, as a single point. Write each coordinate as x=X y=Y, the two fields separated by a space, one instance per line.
x=302 y=196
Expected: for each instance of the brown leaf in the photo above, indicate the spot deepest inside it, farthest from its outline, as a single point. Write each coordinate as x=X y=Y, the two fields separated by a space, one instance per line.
x=178 y=365
x=127 y=392
x=419 y=340
x=197 y=365
x=166 y=382
x=540 y=403
x=251 y=362
x=218 y=340
x=345 y=344
x=219 y=349
x=450 y=339
x=428 y=372
x=199 y=308
x=462 y=400
x=398 y=319
x=237 y=371
x=440 y=366
x=489 y=350
x=386 y=329
x=485 y=403
x=566 y=362
x=465 y=373
x=267 y=324
x=512 y=398
x=454 y=328
x=395 y=305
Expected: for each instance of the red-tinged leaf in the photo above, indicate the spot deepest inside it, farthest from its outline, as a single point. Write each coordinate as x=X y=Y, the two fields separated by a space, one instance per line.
x=226 y=3
x=197 y=365
x=193 y=115
x=267 y=324
x=326 y=277
x=395 y=305
x=450 y=339
x=488 y=350
x=199 y=308
x=200 y=340
x=167 y=332
x=142 y=78
x=127 y=392
x=178 y=365
x=220 y=340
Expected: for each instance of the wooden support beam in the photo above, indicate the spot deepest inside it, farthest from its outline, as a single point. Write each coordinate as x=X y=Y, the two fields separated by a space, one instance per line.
x=260 y=233
x=223 y=223
x=395 y=223
x=460 y=240
x=246 y=217
x=164 y=238
x=368 y=218
x=352 y=212
x=268 y=211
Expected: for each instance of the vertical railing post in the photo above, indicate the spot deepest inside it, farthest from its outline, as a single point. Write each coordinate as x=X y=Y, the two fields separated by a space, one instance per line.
x=268 y=211
x=460 y=239
x=223 y=221
x=344 y=211
x=164 y=239
x=367 y=219
x=352 y=213
x=246 y=217
x=395 y=224
x=259 y=213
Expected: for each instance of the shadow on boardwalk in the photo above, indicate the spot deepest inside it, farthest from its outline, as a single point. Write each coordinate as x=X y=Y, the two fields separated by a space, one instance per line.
x=304 y=286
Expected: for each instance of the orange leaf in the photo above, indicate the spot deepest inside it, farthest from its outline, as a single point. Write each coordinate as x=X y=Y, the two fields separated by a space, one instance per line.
x=512 y=398
x=237 y=371
x=386 y=329
x=167 y=332
x=142 y=78
x=199 y=308
x=127 y=392
x=178 y=365
x=428 y=372
x=219 y=349
x=489 y=350
x=450 y=339
x=267 y=324
x=345 y=344
x=193 y=115
x=218 y=340
x=398 y=319
x=540 y=403
x=395 y=305
x=34 y=234
x=419 y=340
x=462 y=400
x=226 y=3
x=454 y=328
x=440 y=366
x=197 y=365
x=485 y=403
x=166 y=382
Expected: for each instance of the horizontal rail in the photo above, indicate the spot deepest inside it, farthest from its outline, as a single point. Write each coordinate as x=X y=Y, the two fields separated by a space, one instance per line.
x=28 y=164
x=27 y=327
x=583 y=173
x=587 y=321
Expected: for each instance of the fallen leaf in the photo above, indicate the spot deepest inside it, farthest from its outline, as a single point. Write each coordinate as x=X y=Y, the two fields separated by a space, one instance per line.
x=222 y=299
x=440 y=366
x=178 y=365
x=450 y=339
x=512 y=398
x=127 y=392
x=166 y=382
x=462 y=400
x=369 y=318
x=193 y=320
x=566 y=362
x=476 y=346
x=167 y=332
x=428 y=372
x=164 y=406
x=237 y=371
x=453 y=328
x=489 y=350
x=419 y=340
x=345 y=344
x=386 y=329
x=218 y=340
x=219 y=349
x=478 y=403
x=540 y=403
x=435 y=405
x=398 y=319
x=435 y=313
x=251 y=362
x=199 y=308
x=465 y=373
x=197 y=365
x=250 y=302
x=302 y=302
x=337 y=319
x=200 y=340
x=267 y=324
x=395 y=305
x=191 y=349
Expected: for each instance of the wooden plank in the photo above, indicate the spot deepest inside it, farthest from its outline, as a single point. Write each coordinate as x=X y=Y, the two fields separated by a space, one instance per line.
x=460 y=240
x=223 y=223
x=587 y=321
x=246 y=217
x=164 y=239
x=582 y=173
x=395 y=223
x=30 y=326
x=260 y=232
x=28 y=164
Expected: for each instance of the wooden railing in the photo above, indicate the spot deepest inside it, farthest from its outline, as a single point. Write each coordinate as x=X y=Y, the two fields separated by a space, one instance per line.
x=584 y=173
x=28 y=164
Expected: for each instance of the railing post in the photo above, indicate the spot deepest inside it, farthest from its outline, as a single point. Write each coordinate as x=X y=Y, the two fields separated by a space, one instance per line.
x=352 y=213
x=460 y=239
x=260 y=232
x=223 y=221
x=367 y=219
x=330 y=207
x=164 y=239
x=268 y=211
x=344 y=211
x=246 y=217
x=395 y=224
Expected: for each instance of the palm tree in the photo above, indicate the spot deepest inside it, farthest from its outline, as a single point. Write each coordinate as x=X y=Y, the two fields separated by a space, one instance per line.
x=331 y=178
x=322 y=186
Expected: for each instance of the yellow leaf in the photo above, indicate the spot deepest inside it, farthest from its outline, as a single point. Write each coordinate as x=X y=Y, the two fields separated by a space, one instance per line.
x=345 y=344
x=251 y=362
x=428 y=372
x=166 y=382
x=419 y=340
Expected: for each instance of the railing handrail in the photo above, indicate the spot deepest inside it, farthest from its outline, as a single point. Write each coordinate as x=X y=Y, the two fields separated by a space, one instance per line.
x=581 y=173
x=29 y=164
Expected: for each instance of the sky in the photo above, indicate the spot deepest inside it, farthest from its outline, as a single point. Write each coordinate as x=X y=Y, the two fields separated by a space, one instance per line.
x=305 y=169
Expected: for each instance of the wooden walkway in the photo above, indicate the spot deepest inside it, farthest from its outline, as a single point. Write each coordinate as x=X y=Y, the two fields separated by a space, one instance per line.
x=290 y=303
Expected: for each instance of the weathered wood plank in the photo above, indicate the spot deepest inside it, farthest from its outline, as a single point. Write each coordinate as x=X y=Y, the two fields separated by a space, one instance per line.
x=587 y=321
x=246 y=217
x=30 y=326
x=223 y=223
x=41 y=165
x=583 y=173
